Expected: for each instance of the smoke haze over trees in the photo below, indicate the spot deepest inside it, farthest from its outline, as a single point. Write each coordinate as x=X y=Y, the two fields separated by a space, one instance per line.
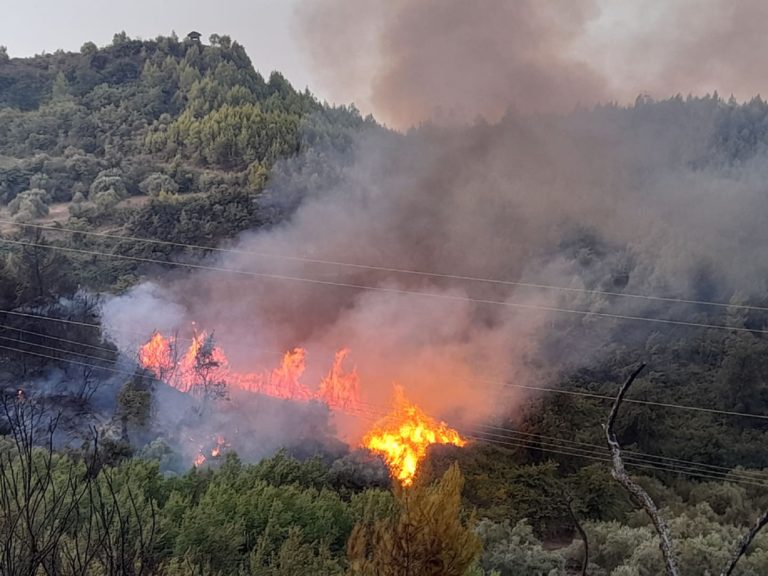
x=411 y=61
x=549 y=243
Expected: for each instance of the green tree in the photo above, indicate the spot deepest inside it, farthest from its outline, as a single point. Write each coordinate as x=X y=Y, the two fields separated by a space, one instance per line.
x=426 y=536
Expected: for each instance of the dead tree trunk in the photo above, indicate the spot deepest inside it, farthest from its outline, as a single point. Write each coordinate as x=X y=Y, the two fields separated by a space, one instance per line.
x=634 y=489
x=744 y=543
x=582 y=533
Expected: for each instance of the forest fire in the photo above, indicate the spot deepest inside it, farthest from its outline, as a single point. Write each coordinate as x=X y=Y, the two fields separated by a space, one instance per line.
x=402 y=437
x=204 y=365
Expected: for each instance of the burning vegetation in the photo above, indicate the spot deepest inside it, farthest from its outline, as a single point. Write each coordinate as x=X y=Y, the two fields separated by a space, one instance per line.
x=401 y=437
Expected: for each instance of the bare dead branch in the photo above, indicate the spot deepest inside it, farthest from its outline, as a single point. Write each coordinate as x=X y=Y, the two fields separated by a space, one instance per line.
x=582 y=533
x=634 y=489
x=744 y=543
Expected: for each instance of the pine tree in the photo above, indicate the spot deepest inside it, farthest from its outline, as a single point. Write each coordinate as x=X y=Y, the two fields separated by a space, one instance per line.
x=425 y=537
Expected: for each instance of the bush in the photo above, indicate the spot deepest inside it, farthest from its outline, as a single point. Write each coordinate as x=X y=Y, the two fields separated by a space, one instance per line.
x=29 y=205
x=513 y=550
x=155 y=184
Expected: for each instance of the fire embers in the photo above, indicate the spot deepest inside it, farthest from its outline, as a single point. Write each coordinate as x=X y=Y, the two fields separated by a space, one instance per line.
x=215 y=452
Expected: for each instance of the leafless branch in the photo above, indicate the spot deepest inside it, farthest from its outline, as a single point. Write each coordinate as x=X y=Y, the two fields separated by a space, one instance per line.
x=581 y=531
x=634 y=489
x=744 y=543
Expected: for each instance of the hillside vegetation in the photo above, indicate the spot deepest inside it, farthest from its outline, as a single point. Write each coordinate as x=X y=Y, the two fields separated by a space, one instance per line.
x=180 y=140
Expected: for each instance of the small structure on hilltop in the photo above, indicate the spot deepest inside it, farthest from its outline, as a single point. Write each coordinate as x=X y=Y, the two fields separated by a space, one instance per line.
x=194 y=36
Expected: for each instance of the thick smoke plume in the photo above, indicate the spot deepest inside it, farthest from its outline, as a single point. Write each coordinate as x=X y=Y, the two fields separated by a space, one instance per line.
x=611 y=200
x=409 y=61
x=414 y=255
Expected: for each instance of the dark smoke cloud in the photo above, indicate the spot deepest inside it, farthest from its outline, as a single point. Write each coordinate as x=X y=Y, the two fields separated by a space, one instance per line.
x=409 y=61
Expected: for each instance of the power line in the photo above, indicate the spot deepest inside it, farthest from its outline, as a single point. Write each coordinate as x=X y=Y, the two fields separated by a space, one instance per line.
x=398 y=291
x=602 y=449
x=566 y=452
x=493 y=382
x=27 y=343
x=624 y=451
x=635 y=401
x=422 y=273
x=142 y=335
x=43 y=335
x=669 y=463
x=687 y=467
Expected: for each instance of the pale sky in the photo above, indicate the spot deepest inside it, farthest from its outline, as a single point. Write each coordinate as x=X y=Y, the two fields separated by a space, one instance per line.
x=659 y=47
x=264 y=27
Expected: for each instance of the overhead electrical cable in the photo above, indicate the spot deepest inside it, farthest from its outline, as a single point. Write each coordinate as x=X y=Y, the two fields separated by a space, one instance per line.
x=383 y=289
x=636 y=458
x=391 y=269
x=495 y=382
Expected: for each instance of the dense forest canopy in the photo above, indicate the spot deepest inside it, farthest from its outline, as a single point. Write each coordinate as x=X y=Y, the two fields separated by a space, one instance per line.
x=182 y=141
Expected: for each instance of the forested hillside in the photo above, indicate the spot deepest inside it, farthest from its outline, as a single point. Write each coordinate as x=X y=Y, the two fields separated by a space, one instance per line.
x=126 y=163
x=170 y=139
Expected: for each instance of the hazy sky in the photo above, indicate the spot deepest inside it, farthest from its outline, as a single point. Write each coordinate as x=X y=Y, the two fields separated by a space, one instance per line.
x=378 y=53
x=264 y=27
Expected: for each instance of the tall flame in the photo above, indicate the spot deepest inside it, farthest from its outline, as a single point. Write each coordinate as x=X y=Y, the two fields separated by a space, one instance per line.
x=402 y=437
x=340 y=389
x=202 y=363
x=281 y=382
x=157 y=354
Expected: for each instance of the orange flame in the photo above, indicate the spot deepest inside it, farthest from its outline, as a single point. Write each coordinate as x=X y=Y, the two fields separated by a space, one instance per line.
x=156 y=355
x=402 y=437
x=339 y=389
x=220 y=445
x=283 y=381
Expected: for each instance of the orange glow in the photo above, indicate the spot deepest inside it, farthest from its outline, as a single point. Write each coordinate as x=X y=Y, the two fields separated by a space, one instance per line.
x=204 y=363
x=403 y=436
x=281 y=382
x=220 y=445
x=340 y=390
x=156 y=355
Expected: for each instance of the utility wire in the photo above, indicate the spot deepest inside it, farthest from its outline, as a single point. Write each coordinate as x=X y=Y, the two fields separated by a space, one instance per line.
x=390 y=269
x=670 y=463
x=713 y=467
x=635 y=401
x=451 y=297
x=493 y=382
x=687 y=467
x=566 y=452
x=27 y=343
x=43 y=335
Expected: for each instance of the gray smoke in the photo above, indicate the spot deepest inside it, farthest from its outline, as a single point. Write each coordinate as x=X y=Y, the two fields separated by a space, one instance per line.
x=409 y=61
x=618 y=200
x=649 y=199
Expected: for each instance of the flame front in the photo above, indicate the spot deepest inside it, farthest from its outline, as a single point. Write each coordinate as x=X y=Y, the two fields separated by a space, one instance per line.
x=402 y=437
x=340 y=389
x=202 y=363
x=157 y=355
